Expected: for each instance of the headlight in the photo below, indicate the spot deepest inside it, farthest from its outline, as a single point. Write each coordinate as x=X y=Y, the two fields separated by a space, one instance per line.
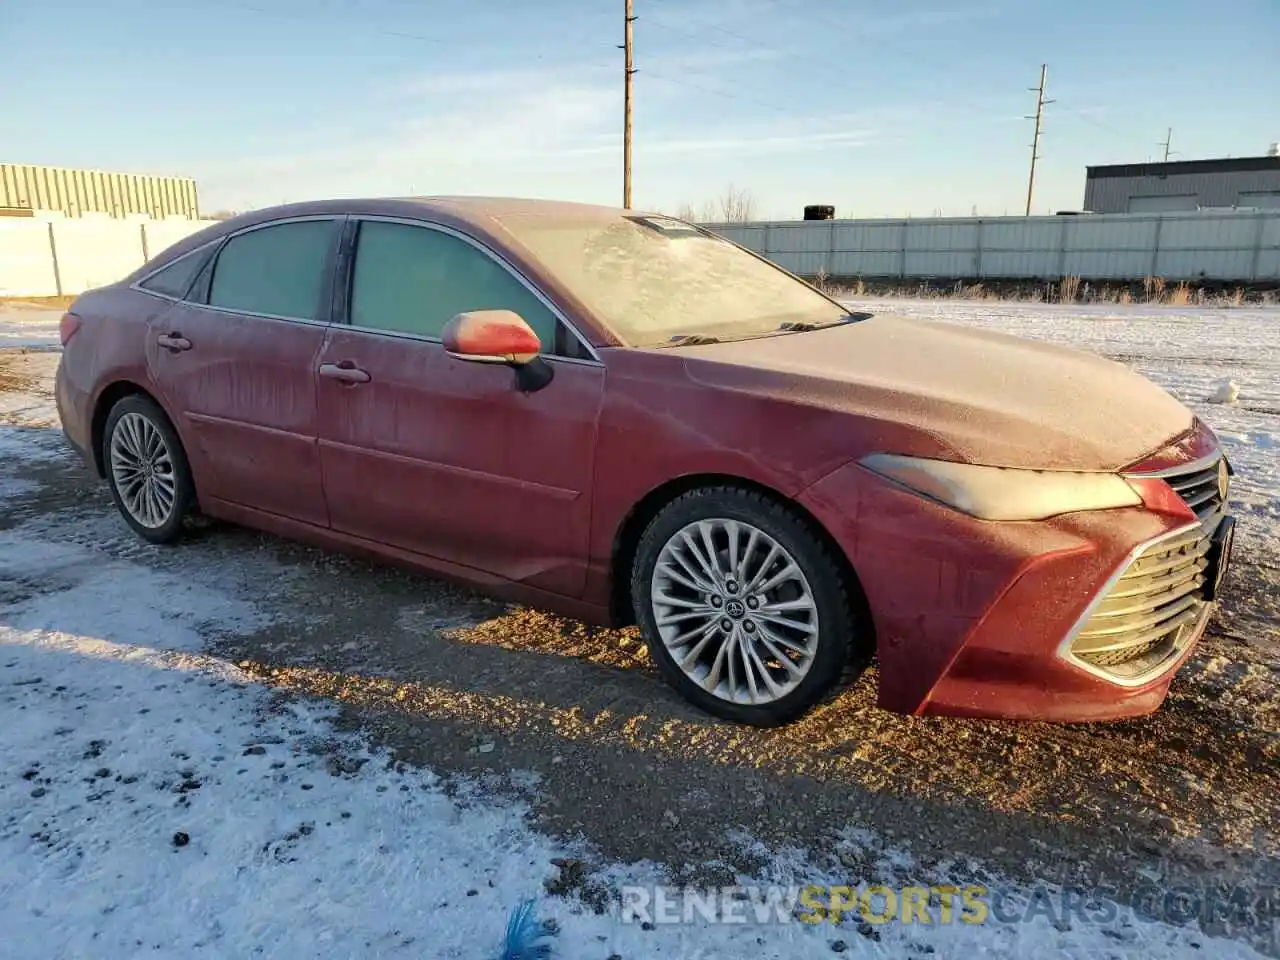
x=999 y=493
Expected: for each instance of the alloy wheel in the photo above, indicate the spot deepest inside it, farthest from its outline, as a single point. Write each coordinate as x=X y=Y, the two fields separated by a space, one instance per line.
x=735 y=611
x=142 y=470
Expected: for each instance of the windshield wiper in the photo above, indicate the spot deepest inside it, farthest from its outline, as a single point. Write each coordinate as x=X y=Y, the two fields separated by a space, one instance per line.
x=689 y=340
x=801 y=326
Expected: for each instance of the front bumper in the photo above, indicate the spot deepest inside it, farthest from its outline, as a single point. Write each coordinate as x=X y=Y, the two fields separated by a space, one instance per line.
x=1015 y=619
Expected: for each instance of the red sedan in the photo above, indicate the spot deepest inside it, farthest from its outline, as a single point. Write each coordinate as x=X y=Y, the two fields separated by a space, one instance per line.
x=627 y=419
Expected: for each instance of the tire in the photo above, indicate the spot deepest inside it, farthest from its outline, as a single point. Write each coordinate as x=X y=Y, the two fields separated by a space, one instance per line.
x=136 y=423
x=823 y=636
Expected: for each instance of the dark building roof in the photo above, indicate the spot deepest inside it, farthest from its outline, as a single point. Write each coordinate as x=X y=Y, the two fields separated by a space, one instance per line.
x=1226 y=165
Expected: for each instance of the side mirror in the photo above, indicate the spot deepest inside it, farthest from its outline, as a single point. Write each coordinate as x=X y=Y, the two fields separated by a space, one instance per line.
x=499 y=336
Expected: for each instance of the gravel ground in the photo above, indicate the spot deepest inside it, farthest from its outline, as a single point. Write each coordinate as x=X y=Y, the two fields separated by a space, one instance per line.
x=449 y=679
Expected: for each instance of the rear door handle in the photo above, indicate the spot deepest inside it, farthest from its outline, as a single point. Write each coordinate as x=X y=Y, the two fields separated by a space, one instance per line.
x=174 y=341
x=345 y=370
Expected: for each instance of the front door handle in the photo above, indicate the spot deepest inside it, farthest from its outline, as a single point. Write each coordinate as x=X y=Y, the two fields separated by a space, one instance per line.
x=174 y=342
x=346 y=371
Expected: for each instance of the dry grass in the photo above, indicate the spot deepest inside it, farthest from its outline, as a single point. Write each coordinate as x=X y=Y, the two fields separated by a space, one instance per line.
x=59 y=302
x=1068 y=289
x=1150 y=290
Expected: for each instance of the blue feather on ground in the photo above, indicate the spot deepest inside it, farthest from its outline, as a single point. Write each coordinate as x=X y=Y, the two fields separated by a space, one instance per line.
x=527 y=938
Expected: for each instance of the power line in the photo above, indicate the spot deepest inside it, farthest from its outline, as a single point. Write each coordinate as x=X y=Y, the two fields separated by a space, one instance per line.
x=718 y=29
x=692 y=34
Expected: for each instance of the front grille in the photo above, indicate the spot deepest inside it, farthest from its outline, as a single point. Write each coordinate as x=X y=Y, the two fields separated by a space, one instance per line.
x=1198 y=488
x=1151 y=611
x=1156 y=606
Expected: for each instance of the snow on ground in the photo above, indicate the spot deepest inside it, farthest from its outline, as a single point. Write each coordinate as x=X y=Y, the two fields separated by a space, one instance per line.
x=23 y=325
x=155 y=801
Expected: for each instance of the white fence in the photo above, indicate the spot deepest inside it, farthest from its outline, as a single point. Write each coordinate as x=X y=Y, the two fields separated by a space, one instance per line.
x=54 y=257
x=44 y=258
x=1238 y=246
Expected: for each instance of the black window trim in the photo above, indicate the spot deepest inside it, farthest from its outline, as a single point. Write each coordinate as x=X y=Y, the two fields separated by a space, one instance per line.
x=209 y=250
x=326 y=280
x=346 y=273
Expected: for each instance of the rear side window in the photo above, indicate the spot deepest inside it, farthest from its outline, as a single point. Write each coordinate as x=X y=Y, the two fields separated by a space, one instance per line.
x=175 y=279
x=278 y=271
x=411 y=279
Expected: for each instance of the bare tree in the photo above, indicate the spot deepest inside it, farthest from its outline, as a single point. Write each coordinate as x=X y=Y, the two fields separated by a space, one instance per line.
x=736 y=206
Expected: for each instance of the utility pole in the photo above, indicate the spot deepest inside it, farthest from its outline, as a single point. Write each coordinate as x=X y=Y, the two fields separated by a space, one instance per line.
x=629 y=47
x=1035 y=144
x=1168 y=139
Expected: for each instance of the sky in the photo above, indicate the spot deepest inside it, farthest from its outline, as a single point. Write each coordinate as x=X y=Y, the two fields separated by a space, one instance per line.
x=880 y=108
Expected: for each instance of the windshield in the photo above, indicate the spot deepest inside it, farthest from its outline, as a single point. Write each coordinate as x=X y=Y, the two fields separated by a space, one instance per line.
x=657 y=281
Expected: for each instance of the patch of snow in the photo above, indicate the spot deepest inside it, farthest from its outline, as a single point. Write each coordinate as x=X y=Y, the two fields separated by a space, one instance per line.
x=1228 y=392
x=28 y=410
x=24 y=445
x=28 y=326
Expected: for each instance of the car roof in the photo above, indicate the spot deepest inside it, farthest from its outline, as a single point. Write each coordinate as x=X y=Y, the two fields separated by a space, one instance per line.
x=499 y=208
x=484 y=213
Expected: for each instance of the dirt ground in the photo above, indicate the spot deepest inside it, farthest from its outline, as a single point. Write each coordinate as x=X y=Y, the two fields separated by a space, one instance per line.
x=451 y=680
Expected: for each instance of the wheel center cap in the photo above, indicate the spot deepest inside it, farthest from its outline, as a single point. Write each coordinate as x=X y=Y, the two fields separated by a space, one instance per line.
x=736 y=609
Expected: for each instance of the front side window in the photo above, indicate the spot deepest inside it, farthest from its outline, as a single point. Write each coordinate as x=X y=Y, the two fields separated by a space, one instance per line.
x=175 y=279
x=277 y=271
x=414 y=280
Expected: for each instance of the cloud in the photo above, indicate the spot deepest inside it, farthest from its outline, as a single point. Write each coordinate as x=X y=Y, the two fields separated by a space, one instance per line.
x=451 y=133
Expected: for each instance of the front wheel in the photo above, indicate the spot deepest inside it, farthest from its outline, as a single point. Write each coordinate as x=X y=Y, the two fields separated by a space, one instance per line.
x=147 y=469
x=744 y=609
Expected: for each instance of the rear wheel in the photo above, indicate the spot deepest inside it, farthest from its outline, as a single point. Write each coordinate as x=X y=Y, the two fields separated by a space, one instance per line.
x=147 y=469
x=744 y=609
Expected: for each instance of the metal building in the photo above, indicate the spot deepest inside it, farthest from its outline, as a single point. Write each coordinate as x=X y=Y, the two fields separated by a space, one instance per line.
x=27 y=190
x=1247 y=182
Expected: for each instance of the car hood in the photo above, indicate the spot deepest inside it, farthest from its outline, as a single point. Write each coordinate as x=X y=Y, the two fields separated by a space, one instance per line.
x=963 y=393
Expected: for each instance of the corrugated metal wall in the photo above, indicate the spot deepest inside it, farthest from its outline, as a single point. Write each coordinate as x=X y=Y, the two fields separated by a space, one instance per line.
x=1136 y=194
x=1227 y=246
x=77 y=192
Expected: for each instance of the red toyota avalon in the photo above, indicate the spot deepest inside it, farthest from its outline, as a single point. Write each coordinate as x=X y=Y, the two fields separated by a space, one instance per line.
x=627 y=419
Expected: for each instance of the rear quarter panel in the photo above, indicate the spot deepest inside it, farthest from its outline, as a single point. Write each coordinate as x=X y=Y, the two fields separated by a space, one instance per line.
x=108 y=349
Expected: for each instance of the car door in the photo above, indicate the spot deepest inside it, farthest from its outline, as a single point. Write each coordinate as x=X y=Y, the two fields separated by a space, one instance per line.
x=236 y=363
x=440 y=456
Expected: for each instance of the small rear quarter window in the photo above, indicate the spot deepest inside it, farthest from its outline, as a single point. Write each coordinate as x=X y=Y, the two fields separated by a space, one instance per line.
x=175 y=279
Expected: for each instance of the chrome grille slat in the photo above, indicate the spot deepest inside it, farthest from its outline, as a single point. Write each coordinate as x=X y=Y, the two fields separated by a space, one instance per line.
x=1100 y=631
x=1174 y=544
x=1186 y=481
x=1144 y=640
x=1159 y=563
x=1198 y=497
x=1192 y=489
x=1153 y=584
